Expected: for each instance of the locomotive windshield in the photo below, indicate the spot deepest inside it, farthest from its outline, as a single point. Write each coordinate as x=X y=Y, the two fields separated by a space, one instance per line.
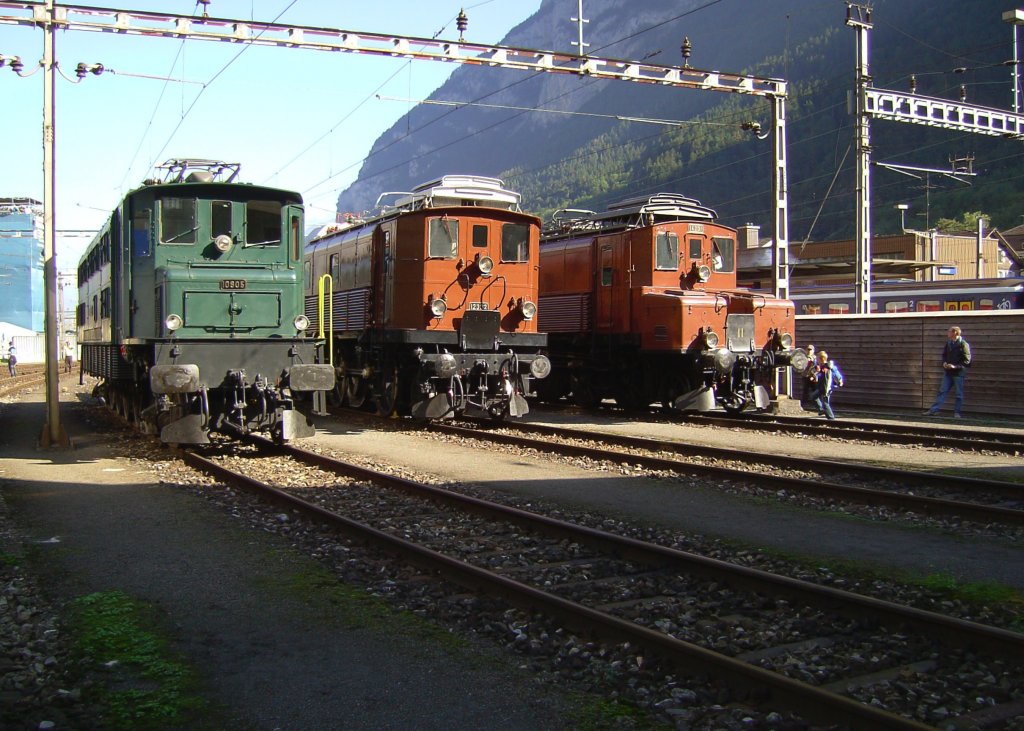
x=220 y=220
x=262 y=223
x=723 y=253
x=178 y=221
x=443 y=238
x=667 y=251
x=515 y=242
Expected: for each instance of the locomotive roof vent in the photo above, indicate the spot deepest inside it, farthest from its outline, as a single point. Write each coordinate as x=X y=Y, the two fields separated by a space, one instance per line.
x=200 y=176
x=456 y=190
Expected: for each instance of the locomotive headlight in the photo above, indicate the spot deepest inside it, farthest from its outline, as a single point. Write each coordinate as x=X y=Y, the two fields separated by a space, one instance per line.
x=711 y=339
x=485 y=264
x=529 y=309
x=787 y=340
x=703 y=273
x=172 y=322
x=223 y=243
x=438 y=307
x=301 y=323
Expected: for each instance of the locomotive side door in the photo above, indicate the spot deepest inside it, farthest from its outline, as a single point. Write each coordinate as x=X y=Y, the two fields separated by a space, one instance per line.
x=388 y=271
x=118 y=311
x=138 y=253
x=605 y=284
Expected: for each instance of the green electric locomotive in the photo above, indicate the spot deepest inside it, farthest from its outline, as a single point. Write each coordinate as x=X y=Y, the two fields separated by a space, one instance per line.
x=190 y=307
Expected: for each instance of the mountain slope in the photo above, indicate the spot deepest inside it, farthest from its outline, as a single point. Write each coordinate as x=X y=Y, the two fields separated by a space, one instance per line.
x=588 y=159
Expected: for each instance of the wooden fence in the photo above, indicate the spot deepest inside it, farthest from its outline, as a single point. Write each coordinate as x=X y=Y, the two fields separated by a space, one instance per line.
x=895 y=361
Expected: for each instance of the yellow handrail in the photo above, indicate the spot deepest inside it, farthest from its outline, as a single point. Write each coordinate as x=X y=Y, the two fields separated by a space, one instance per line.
x=325 y=286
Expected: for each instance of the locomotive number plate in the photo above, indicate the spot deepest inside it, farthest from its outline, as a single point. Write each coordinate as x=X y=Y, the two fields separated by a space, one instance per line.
x=478 y=305
x=232 y=284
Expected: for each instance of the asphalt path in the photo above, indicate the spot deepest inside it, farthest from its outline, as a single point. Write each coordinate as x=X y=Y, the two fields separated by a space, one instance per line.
x=104 y=523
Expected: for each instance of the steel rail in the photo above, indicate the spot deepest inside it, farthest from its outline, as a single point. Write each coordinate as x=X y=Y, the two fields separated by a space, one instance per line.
x=916 y=433
x=849 y=493
x=999 y=641
x=809 y=701
x=894 y=433
x=1014 y=490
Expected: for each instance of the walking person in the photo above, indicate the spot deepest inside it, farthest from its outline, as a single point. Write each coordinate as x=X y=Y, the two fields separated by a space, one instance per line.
x=956 y=359
x=69 y=356
x=824 y=385
x=12 y=359
x=809 y=378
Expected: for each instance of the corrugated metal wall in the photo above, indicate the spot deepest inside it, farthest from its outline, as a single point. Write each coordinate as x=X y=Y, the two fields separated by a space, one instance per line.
x=894 y=361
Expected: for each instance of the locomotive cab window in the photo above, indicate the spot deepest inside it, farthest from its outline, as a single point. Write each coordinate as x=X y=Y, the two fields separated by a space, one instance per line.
x=695 y=248
x=723 y=253
x=515 y=242
x=443 y=240
x=220 y=218
x=666 y=247
x=262 y=223
x=479 y=237
x=178 y=224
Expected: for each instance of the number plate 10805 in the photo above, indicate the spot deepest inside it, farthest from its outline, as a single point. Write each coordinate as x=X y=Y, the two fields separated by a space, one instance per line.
x=232 y=284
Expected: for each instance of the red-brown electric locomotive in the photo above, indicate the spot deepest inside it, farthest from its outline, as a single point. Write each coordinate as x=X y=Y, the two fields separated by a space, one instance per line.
x=640 y=304
x=431 y=305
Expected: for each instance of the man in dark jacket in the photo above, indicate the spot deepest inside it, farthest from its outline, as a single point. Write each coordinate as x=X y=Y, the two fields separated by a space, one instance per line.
x=956 y=359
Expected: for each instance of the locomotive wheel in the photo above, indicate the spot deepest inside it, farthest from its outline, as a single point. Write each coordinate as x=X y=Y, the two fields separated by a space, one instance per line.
x=336 y=396
x=355 y=391
x=387 y=397
x=583 y=393
x=630 y=395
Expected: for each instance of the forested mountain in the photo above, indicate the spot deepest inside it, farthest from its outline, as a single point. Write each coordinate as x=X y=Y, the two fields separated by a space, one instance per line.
x=588 y=159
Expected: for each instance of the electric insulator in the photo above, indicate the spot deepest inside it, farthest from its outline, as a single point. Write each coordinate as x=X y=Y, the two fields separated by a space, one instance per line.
x=686 y=49
x=81 y=70
x=462 y=22
x=963 y=93
x=913 y=84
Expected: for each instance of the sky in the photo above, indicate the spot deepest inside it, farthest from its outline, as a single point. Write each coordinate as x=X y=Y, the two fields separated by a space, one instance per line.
x=296 y=119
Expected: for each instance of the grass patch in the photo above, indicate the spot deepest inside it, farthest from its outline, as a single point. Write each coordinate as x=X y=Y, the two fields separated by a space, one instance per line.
x=978 y=593
x=332 y=601
x=9 y=559
x=603 y=714
x=140 y=683
x=981 y=593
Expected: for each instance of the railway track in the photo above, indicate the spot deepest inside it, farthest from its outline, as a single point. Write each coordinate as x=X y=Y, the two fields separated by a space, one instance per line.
x=27 y=377
x=985 y=501
x=923 y=434
x=926 y=434
x=824 y=654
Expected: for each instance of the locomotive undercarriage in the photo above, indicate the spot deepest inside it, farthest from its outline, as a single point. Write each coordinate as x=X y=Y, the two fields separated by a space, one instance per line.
x=436 y=385
x=695 y=380
x=173 y=399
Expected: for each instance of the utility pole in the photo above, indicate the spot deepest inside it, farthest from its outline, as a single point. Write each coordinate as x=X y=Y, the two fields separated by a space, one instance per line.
x=1015 y=18
x=53 y=431
x=859 y=18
